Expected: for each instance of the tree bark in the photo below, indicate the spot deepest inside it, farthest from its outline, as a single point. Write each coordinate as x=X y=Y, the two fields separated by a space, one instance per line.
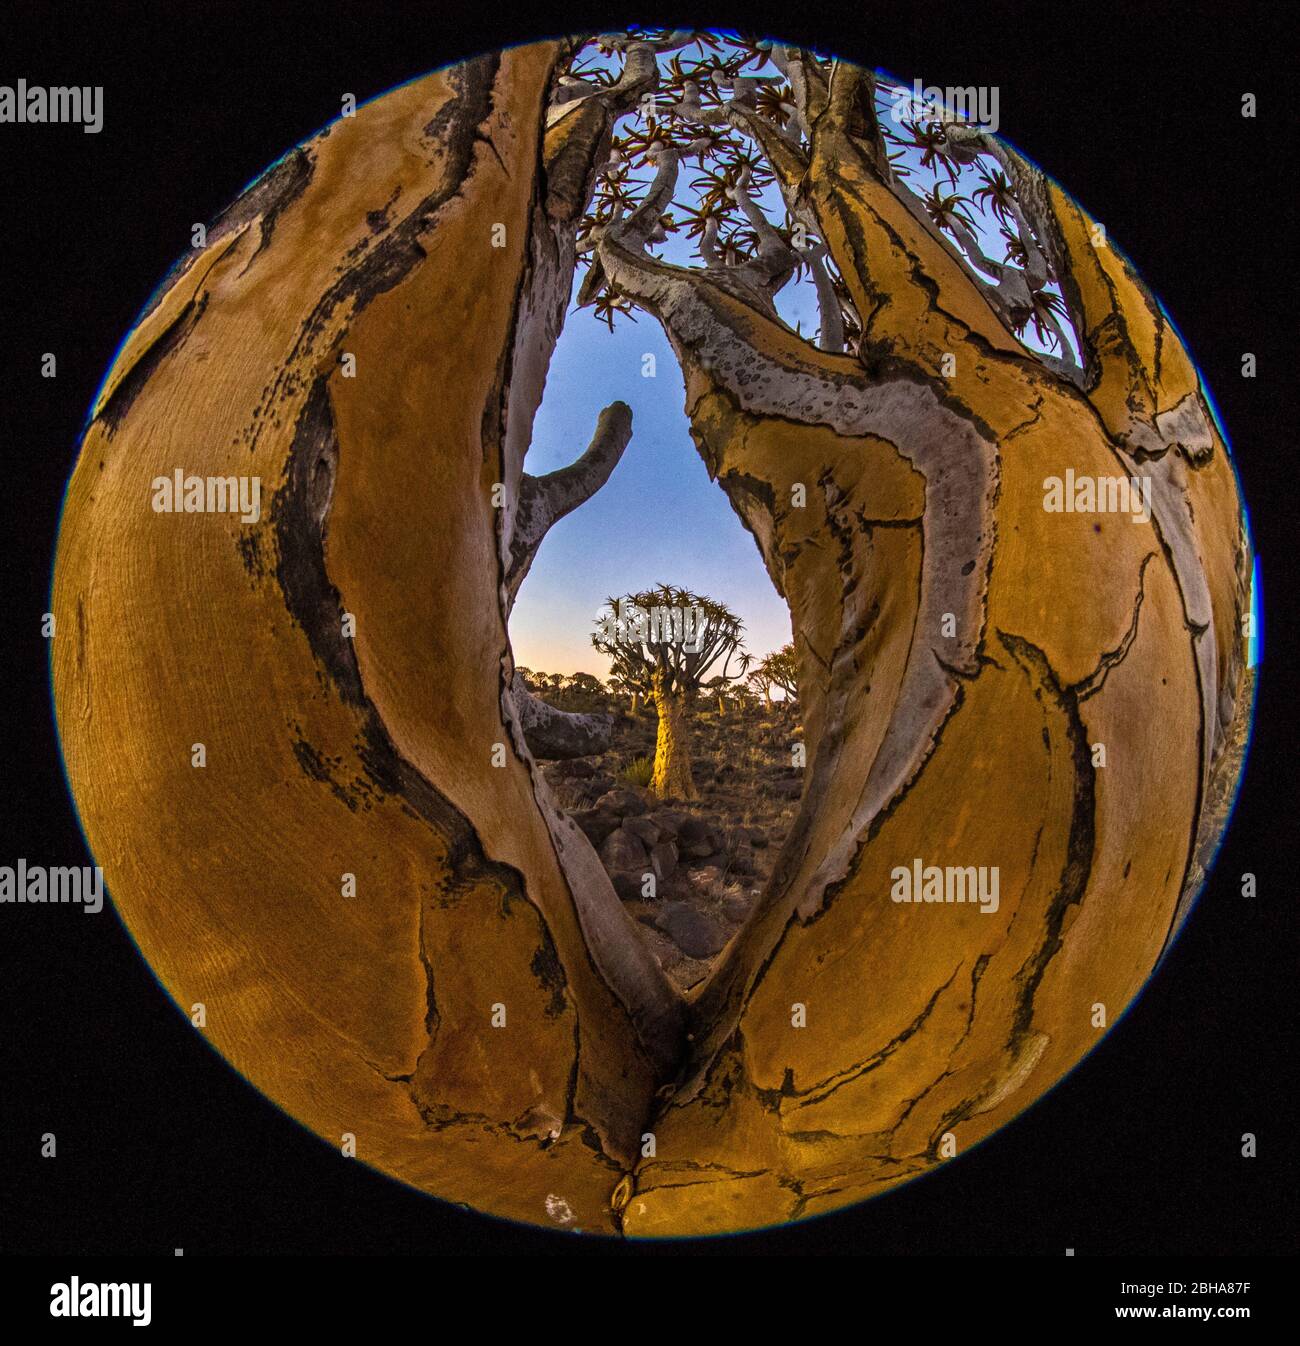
x=929 y=503
x=372 y=755
x=559 y=734
x=672 y=771
x=397 y=755
x=545 y=500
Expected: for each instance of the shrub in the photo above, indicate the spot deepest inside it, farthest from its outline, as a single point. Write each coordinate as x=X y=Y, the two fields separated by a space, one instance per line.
x=639 y=772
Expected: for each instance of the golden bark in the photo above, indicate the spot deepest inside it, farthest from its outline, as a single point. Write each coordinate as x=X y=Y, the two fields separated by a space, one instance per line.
x=926 y=1028
x=672 y=770
x=480 y=1012
x=328 y=755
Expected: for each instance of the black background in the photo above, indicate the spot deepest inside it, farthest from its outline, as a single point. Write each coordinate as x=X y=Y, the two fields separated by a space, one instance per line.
x=1136 y=109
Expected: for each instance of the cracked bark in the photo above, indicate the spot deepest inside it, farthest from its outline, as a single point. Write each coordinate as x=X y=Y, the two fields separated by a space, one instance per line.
x=922 y=541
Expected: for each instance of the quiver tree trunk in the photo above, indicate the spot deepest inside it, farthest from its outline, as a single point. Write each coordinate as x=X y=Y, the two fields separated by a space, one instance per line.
x=961 y=654
x=479 y=1011
x=672 y=770
x=380 y=1014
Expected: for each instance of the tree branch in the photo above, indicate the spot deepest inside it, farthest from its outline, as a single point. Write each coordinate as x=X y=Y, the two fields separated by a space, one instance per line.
x=544 y=500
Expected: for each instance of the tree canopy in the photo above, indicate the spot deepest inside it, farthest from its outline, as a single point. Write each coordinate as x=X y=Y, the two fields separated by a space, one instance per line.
x=671 y=632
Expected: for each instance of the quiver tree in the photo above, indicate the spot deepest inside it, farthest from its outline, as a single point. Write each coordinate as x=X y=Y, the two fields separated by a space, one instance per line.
x=397 y=933
x=720 y=689
x=664 y=643
x=780 y=669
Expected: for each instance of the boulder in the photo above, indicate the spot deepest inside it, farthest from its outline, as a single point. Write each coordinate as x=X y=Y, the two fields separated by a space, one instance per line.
x=694 y=932
x=596 y=823
x=698 y=839
x=626 y=803
x=663 y=860
x=644 y=828
x=736 y=906
x=627 y=884
x=669 y=822
x=668 y=954
x=623 y=850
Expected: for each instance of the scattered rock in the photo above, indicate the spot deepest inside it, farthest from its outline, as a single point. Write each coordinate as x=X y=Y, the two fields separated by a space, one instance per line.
x=626 y=803
x=668 y=954
x=623 y=850
x=696 y=839
x=668 y=822
x=710 y=856
x=691 y=830
x=694 y=932
x=596 y=823
x=663 y=860
x=737 y=906
x=628 y=884
x=709 y=876
x=571 y=769
x=644 y=828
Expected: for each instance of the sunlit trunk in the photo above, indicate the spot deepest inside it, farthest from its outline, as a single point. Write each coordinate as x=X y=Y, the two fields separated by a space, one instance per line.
x=672 y=777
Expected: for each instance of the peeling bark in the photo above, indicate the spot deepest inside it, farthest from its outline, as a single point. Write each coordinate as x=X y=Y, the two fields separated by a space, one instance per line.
x=960 y=652
x=558 y=734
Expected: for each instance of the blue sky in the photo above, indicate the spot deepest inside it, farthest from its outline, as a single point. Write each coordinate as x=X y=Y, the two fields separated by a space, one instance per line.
x=657 y=519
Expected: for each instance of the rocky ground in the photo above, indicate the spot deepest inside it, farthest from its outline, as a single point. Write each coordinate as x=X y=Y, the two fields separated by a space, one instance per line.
x=709 y=857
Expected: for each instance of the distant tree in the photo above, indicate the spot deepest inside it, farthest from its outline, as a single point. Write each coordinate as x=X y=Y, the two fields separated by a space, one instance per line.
x=741 y=698
x=585 y=691
x=760 y=681
x=781 y=670
x=621 y=688
x=662 y=644
x=718 y=688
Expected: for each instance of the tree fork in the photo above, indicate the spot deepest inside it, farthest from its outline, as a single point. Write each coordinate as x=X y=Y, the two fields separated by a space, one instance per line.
x=959 y=653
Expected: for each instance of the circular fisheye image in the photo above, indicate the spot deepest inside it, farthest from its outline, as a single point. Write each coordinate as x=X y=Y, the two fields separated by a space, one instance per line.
x=662 y=632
